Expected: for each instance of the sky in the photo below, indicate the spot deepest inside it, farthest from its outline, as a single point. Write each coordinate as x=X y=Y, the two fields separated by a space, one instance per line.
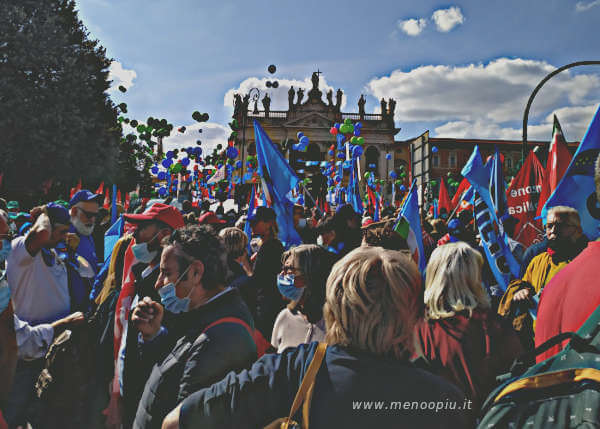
x=459 y=69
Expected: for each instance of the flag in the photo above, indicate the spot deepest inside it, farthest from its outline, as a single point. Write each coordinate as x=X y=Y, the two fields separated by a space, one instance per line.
x=408 y=225
x=522 y=201
x=78 y=188
x=100 y=189
x=217 y=177
x=497 y=184
x=113 y=212
x=493 y=240
x=111 y=236
x=106 y=203
x=251 y=209
x=278 y=180
x=127 y=201
x=443 y=198
x=353 y=191
x=462 y=188
x=119 y=199
x=577 y=188
x=558 y=161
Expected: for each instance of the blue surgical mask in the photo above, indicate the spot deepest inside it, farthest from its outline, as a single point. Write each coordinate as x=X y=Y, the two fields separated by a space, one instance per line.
x=285 y=284
x=142 y=254
x=171 y=301
x=5 y=251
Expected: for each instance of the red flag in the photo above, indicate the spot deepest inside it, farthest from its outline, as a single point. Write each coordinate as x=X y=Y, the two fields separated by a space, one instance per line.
x=464 y=185
x=100 y=189
x=444 y=199
x=79 y=185
x=127 y=201
x=106 y=204
x=559 y=159
x=119 y=201
x=522 y=198
x=73 y=190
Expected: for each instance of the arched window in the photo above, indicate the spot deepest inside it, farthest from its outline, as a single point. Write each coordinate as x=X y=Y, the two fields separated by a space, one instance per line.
x=372 y=158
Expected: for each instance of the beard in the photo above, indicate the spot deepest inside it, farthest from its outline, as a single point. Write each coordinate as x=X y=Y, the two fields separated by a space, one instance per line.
x=81 y=227
x=560 y=245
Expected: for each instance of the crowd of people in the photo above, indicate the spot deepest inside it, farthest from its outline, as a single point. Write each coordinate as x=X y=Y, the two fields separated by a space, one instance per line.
x=189 y=322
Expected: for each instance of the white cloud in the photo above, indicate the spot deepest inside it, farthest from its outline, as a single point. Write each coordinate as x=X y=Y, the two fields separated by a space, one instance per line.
x=120 y=76
x=412 y=27
x=582 y=6
x=446 y=19
x=279 y=96
x=488 y=100
x=212 y=135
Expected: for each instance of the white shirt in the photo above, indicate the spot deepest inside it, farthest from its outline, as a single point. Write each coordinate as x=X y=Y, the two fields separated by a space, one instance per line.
x=40 y=294
x=292 y=329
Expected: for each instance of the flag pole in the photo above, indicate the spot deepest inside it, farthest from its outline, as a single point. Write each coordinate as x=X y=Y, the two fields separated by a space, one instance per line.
x=311 y=197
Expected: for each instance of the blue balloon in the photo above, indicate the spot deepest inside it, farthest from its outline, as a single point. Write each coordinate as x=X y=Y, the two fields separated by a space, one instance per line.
x=154 y=170
x=357 y=151
x=162 y=175
x=300 y=171
x=402 y=188
x=170 y=154
x=331 y=153
x=338 y=163
x=185 y=162
x=434 y=149
x=338 y=179
x=236 y=180
x=198 y=151
x=219 y=165
x=337 y=125
x=238 y=164
x=232 y=152
x=167 y=162
x=347 y=165
x=371 y=165
x=358 y=124
x=162 y=191
x=189 y=180
x=341 y=155
x=247 y=177
x=393 y=175
x=304 y=139
x=388 y=156
x=356 y=131
x=300 y=135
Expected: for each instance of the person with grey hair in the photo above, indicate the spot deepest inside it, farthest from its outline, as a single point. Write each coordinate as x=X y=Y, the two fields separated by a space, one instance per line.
x=372 y=302
x=572 y=295
x=210 y=332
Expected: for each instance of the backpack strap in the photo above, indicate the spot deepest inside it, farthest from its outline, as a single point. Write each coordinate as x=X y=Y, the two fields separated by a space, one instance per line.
x=230 y=320
x=307 y=386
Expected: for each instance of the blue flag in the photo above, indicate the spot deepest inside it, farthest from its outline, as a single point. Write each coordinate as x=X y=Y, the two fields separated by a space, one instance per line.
x=111 y=236
x=278 y=180
x=113 y=216
x=251 y=209
x=408 y=225
x=577 y=189
x=497 y=188
x=353 y=191
x=493 y=240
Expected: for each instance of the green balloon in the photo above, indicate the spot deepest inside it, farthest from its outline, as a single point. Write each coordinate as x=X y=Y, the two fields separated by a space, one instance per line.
x=360 y=140
x=367 y=174
x=347 y=121
x=353 y=140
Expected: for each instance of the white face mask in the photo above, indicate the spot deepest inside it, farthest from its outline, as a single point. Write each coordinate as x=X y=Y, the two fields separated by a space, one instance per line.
x=320 y=240
x=302 y=223
x=81 y=227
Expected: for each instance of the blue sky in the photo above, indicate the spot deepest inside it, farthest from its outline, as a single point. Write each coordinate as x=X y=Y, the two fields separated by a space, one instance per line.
x=458 y=69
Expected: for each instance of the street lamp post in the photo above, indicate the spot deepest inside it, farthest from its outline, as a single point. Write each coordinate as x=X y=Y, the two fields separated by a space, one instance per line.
x=534 y=93
x=253 y=94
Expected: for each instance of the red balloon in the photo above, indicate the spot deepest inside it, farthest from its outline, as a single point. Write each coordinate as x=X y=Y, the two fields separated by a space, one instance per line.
x=333 y=131
x=230 y=143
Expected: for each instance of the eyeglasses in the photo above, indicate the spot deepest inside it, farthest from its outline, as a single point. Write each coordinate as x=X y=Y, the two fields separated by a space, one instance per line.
x=89 y=215
x=558 y=225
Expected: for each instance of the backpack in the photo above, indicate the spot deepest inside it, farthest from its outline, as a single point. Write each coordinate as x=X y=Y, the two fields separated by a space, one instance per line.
x=561 y=392
x=262 y=345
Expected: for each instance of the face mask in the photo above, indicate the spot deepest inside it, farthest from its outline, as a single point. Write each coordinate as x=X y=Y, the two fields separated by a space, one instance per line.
x=286 y=287
x=302 y=223
x=171 y=301
x=142 y=254
x=5 y=251
x=81 y=227
x=320 y=240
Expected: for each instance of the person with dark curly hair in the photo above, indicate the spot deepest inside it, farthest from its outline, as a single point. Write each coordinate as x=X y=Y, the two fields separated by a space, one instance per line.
x=211 y=331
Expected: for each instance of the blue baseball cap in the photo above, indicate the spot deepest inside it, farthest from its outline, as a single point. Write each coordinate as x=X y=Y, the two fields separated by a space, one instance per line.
x=58 y=214
x=84 y=196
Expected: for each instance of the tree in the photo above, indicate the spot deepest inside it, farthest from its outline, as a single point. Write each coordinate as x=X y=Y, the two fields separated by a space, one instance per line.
x=57 y=123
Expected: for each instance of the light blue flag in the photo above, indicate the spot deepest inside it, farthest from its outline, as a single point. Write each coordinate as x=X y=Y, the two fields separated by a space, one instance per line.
x=251 y=209
x=278 y=180
x=408 y=225
x=493 y=240
x=577 y=189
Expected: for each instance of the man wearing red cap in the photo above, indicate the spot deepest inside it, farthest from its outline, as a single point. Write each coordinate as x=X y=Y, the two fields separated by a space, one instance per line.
x=140 y=271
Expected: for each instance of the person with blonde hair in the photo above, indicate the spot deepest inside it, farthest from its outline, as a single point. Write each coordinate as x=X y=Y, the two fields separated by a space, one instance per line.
x=302 y=282
x=461 y=337
x=372 y=302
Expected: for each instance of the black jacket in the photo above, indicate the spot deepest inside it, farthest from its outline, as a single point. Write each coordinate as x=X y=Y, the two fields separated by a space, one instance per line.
x=190 y=359
x=353 y=389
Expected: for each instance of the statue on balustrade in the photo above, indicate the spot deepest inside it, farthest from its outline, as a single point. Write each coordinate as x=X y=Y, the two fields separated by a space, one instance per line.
x=291 y=94
x=266 y=102
x=361 y=106
x=237 y=106
x=330 y=97
x=300 y=96
x=392 y=104
x=338 y=99
x=315 y=81
x=383 y=107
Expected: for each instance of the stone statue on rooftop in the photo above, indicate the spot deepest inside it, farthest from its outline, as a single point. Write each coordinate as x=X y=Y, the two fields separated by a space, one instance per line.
x=291 y=94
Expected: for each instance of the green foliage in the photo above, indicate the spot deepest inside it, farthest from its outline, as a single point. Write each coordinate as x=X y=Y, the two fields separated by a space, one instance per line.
x=57 y=122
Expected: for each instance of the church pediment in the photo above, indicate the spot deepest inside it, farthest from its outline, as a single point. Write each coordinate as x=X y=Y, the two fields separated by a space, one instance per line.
x=308 y=120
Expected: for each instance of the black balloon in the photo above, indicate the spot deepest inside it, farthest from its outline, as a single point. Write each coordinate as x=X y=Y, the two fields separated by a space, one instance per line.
x=272 y=69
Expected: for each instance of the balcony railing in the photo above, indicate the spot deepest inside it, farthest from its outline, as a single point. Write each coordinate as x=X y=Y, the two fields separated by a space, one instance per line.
x=279 y=114
x=284 y=114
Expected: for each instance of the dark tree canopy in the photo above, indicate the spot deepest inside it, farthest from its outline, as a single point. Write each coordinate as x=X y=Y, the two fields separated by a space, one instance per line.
x=57 y=123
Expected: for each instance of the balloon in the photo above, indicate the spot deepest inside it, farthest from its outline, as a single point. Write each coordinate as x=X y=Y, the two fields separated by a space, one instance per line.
x=353 y=140
x=357 y=151
x=238 y=164
x=347 y=121
x=198 y=151
x=167 y=162
x=185 y=162
x=331 y=153
x=272 y=69
x=403 y=175
x=304 y=139
x=299 y=135
x=181 y=129
x=170 y=154
x=393 y=175
x=197 y=116
x=356 y=131
x=358 y=125
x=341 y=155
x=122 y=88
x=154 y=170
x=388 y=156
x=433 y=182
x=371 y=166
x=337 y=125
x=360 y=140
x=403 y=188
x=162 y=191
x=232 y=152
x=434 y=149
x=338 y=179
x=161 y=175
x=333 y=131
